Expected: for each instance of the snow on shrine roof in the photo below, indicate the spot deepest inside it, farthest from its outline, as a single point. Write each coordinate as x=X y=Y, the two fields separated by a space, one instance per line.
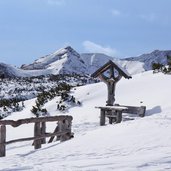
x=106 y=66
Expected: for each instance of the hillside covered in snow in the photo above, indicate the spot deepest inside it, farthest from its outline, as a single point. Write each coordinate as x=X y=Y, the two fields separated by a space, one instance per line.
x=63 y=61
x=134 y=144
x=156 y=56
x=68 y=61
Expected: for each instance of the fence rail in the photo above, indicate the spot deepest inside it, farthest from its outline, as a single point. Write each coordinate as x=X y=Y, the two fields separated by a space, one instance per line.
x=62 y=131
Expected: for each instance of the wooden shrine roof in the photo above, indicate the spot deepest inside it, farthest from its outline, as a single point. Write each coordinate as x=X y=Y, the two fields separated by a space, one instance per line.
x=106 y=66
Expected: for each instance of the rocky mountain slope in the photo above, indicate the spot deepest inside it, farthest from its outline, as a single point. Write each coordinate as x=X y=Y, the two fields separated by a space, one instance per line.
x=63 y=61
x=68 y=61
x=7 y=70
x=96 y=60
x=156 y=56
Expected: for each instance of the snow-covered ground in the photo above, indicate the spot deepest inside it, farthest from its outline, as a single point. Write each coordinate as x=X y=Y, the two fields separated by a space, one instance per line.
x=139 y=144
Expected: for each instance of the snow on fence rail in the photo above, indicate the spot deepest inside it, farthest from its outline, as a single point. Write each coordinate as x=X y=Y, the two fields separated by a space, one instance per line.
x=62 y=130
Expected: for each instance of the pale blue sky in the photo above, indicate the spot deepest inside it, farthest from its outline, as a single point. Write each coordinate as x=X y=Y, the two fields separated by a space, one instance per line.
x=30 y=29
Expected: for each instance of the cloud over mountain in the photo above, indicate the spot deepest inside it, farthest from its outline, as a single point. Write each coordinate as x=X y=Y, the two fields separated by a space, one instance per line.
x=96 y=48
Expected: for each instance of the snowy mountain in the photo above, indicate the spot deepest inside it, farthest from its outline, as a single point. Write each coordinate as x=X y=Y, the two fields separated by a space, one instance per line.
x=156 y=56
x=142 y=144
x=68 y=61
x=96 y=60
x=133 y=65
x=63 y=61
x=7 y=70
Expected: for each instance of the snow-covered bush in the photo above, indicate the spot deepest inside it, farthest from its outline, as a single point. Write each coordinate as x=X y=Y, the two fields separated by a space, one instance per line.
x=67 y=101
x=42 y=98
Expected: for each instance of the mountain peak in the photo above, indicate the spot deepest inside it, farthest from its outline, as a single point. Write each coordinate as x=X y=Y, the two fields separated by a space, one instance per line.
x=64 y=60
x=69 y=48
x=156 y=51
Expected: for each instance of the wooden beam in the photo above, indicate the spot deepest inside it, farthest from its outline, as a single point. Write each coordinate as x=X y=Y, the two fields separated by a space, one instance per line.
x=52 y=137
x=102 y=117
x=43 y=132
x=37 y=133
x=35 y=138
x=106 y=66
x=118 y=116
x=2 y=140
x=34 y=120
x=120 y=108
x=121 y=71
x=138 y=110
x=101 y=70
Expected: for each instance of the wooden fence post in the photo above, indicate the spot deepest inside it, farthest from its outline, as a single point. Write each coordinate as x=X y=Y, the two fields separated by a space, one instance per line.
x=102 y=117
x=142 y=111
x=111 y=119
x=37 y=133
x=69 y=127
x=60 y=126
x=2 y=140
x=118 y=116
x=43 y=131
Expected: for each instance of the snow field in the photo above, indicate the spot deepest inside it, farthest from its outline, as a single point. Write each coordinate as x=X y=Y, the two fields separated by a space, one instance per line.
x=139 y=144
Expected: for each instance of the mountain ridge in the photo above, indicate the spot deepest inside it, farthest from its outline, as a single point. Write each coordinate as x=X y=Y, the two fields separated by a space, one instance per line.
x=68 y=61
x=156 y=56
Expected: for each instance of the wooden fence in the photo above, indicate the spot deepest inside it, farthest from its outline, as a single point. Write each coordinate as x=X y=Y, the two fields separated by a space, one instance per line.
x=62 y=131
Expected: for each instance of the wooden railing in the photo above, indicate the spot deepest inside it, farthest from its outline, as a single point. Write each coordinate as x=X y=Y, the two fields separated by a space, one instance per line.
x=62 y=131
